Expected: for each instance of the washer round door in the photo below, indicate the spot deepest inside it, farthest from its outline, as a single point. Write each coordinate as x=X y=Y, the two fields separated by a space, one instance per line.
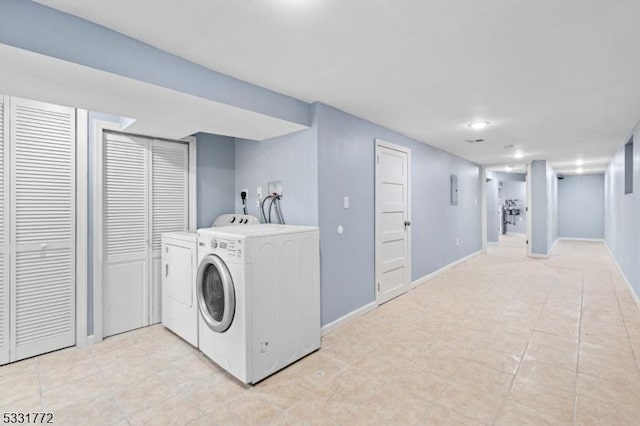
x=216 y=294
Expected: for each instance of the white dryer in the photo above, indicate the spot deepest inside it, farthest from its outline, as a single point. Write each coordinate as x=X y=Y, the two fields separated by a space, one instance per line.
x=258 y=290
x=179 y=267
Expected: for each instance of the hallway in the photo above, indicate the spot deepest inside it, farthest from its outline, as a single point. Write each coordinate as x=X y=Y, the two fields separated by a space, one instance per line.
x=500 y=339
x=511 y=340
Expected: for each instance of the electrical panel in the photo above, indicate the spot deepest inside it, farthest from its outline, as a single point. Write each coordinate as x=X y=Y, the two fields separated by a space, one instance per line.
x=454 y=190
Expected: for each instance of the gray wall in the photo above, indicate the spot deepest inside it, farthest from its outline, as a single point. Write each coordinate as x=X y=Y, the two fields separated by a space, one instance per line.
x=581 y=206
x=346 y=153
x=32 y=26
x=552 y=207
x=291 y=159
x=493 y=219
x=538 y=208
x=215 y=183
x=544 y=207
x=622 y=227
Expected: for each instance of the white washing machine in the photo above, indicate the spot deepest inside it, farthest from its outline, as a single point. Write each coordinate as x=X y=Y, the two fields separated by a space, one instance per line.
x=179 y=268
x=258 y=290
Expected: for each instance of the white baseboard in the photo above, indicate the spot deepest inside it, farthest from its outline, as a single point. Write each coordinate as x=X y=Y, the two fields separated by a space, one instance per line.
x=539 y=256
x=90 y=340
x=593 y=240
x=346 y=319
x=493 y=243
x=434 y=274
x=545 y=256
x=633 y=293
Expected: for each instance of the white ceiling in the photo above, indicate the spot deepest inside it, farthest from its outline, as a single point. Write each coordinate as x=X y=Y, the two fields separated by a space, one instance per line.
x=156 y=111
x=556 y=79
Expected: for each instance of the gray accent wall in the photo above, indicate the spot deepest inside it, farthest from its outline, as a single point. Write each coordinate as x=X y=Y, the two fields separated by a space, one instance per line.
x=291 y=159
x=41 y=29
x=493 y=218
x=346 y=160
x=581 y=206
x=621 y=223
x=544 y=207
x=215 y=181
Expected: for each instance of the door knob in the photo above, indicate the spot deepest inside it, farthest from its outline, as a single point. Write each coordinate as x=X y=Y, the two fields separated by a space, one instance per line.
x=407 y=223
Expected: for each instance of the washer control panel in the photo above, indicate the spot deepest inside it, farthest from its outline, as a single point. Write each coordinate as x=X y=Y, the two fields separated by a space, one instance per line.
x=230 y=247
x=223 y=246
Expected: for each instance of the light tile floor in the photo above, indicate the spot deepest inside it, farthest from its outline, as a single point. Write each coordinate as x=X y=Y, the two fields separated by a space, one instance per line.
x=500 y=339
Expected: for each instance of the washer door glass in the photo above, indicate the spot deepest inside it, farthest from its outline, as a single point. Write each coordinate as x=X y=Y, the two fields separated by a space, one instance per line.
x=216 y=294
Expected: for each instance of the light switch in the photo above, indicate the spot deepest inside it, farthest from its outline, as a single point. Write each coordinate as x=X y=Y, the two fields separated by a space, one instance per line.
x=346 y=201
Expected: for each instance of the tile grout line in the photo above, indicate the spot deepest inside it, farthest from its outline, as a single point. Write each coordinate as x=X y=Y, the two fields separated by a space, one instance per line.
x=515 y=374
x=575 y=390
x=624 y=321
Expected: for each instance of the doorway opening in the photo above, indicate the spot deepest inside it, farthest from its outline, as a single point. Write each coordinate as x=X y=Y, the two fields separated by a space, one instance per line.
x=507 y=206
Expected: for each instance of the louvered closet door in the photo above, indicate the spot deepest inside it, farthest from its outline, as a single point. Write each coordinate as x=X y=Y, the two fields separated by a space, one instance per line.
x=42 y=227
x=169 y=206
x=4 y=241
x=125 y=284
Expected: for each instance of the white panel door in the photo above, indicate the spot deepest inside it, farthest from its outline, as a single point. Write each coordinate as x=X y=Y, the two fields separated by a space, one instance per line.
x=126 y=233
x=42 y=227
x=393 y=273
x=169 y=207
x=4 y=241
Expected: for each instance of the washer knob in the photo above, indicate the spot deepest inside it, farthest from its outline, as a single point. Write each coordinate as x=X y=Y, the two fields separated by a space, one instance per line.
x=214 y=244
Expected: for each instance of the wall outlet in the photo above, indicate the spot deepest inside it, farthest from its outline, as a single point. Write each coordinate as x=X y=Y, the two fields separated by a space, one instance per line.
x=457 y=241
x=258 y=198
x=275 y=187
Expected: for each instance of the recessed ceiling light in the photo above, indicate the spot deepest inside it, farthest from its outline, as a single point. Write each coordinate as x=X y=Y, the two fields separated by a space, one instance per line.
x=509 y=168
x=579 y=162
x=478 y=125
x=579 y=170
x=518 y=154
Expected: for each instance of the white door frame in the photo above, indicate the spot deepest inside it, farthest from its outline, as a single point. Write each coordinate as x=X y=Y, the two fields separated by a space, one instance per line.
x=82 y=206
x=529 y=212
x=99 y=128
x=5 y=333
x=483 y=192
x=384 y=144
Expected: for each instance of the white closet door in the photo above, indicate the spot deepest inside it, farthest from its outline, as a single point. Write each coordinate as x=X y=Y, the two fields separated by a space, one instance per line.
x=169 y=207
x=125 y=284
x=42 y=227
x=4 y=241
